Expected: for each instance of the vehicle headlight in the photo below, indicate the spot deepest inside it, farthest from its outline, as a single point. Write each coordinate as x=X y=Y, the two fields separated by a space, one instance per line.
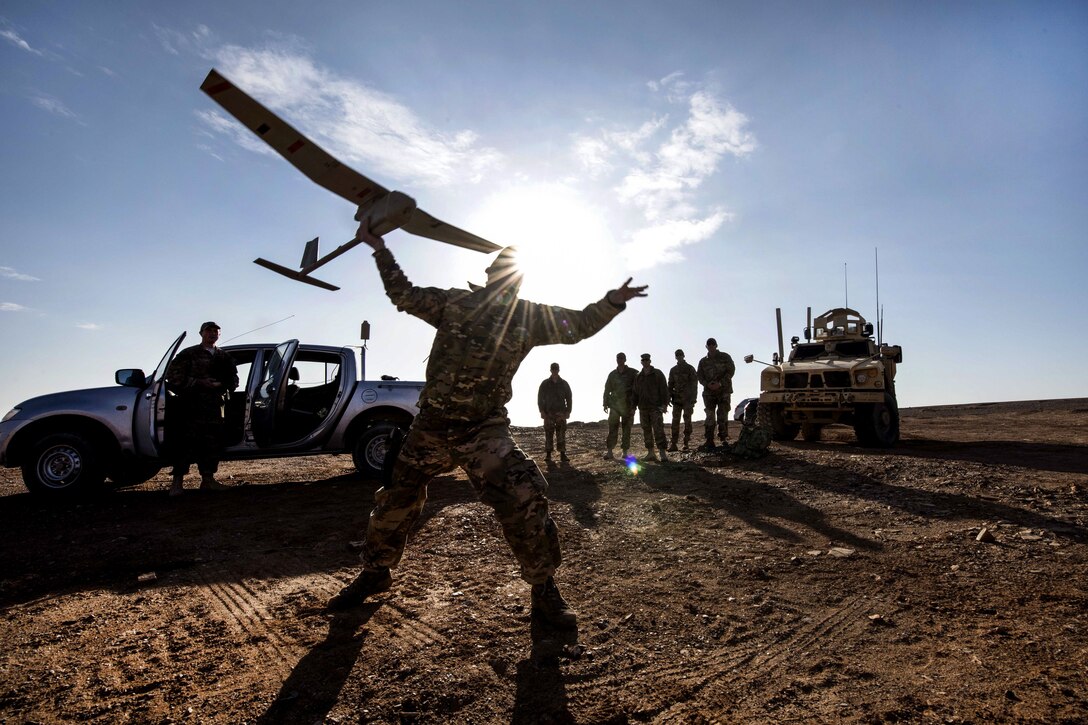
x=11 y=414
x=865 y=376
x=772 y=379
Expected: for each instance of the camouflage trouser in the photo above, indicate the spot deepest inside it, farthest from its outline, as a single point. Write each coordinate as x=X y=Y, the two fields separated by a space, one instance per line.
x=616 y=421
x=555 y=424
x=653 y=428
x=685 y=411
x=502 y=476
x=717 y=412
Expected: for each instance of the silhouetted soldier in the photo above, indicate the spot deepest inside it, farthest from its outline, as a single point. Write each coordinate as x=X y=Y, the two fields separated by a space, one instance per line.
x=716 y=374
x=554 y=401
x=683 y=392
x=619 y=404
x=652 y=399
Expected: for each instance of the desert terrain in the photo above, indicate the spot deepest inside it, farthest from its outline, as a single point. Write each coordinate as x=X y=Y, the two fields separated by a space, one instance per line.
x=943 y=580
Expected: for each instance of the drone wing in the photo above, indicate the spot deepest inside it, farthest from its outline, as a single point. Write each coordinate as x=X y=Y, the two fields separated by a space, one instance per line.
x=323 y=169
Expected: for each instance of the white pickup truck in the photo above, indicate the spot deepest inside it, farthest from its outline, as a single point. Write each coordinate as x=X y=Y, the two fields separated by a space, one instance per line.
x=292 y=400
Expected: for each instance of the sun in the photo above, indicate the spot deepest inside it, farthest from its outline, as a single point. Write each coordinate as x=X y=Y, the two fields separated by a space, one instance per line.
x=565 y=248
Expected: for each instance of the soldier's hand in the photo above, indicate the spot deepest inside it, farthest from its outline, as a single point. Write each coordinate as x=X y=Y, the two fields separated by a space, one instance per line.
x=376 y=243
x=626 y=292
x=606 y=408
x=209 y=383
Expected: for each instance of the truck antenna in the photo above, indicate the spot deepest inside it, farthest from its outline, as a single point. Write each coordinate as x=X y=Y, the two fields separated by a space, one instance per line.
x=845 y=286
x=879 y=310
x=259 y=328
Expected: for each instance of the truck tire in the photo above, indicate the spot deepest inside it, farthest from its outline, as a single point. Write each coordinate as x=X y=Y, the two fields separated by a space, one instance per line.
x=63 y=465
x=810 y=432
x=780 y=429
x=368 y=454
x=877 y=424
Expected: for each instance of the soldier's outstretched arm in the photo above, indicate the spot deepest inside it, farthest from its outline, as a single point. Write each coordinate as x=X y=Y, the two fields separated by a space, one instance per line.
x=426 y=303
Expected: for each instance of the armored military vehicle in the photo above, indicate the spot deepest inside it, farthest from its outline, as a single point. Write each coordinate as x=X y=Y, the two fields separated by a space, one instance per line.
x=839 y=374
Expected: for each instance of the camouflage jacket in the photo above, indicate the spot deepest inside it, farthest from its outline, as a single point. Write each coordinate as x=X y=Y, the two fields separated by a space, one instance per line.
x=619 y=390
x=554 y=397
x=651 y=390
x=683 y=384
x=717 y=367
x=481 y=338
x=194 y=363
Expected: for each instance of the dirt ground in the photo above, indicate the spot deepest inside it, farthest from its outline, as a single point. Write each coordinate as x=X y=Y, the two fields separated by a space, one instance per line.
x=823 y=583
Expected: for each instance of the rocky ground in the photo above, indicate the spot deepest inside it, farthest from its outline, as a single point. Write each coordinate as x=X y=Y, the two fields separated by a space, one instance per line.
x=940 y=581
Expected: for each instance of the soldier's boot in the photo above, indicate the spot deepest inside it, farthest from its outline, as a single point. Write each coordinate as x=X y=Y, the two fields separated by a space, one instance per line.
x=548 y=456
x=663 y=456
x=650 y=455
x=177 y=486
x=549 y=605
x=366 y=584
x=708 y=445
x=609 y=455
x=687 y=439
x=625 y=454
x=672 y=446
x=725 y=434
x=208 y=483
x=563 y=457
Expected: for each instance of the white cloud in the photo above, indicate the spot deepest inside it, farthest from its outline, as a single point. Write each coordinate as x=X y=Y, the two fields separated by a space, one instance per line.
x=11 y=307
x=355 y=123
x=219 y=123
x=55 y=106
x=11 y=273
x=12 y=37
x=89 y=326
x=661 y=164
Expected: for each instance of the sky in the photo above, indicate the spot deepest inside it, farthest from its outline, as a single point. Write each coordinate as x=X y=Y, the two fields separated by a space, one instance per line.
x=737 y=157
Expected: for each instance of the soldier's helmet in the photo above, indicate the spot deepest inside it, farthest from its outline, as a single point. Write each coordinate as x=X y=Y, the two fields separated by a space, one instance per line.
x=679 y=353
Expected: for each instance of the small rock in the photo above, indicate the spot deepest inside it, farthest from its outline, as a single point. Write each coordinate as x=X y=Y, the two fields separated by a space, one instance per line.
x=985 y=536
x=147 y=578
x=840 y=551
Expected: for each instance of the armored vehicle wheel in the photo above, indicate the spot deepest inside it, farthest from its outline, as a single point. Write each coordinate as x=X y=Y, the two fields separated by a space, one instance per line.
x=63 y=465
x=780 y=429
x=877 y=424
x=811 y=432
x=369 y=451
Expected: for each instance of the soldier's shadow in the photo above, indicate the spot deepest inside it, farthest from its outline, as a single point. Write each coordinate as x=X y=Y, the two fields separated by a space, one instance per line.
x=541 y=690
x=314 y=685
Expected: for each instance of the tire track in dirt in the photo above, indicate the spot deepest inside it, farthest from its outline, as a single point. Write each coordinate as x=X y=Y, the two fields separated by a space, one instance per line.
x=723 y=675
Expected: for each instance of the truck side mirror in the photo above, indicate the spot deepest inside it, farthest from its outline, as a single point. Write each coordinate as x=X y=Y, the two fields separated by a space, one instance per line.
x=131 y=378
x=794 y=340
x=808 y=333
x=867 y=329
x=775 y=359
x=749 y=358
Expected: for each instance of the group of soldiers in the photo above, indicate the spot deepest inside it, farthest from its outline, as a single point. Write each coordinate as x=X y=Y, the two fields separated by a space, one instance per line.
x=647 y=391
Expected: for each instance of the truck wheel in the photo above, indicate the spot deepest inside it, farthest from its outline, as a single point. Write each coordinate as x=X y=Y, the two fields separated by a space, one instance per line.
x=63 y=465
x=811 y=432
x=780 y=429
x=369 y=451
x=877 y=424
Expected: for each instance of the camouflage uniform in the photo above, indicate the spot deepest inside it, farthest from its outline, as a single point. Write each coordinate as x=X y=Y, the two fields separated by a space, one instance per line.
x=651 y=394
x=618 y=391
x=683 y=392
x=195 y=431
x=554 y=401
x=755 y=436
x=717 y=367
x=481 y=338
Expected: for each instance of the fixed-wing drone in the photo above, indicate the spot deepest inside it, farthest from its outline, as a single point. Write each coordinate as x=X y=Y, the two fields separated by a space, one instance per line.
x=381 y=209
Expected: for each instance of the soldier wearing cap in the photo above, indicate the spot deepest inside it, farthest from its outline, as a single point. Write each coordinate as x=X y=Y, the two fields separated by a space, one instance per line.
x=619 y=404
x=652 y=400
x=201 y=379
x=481 y=338
x=683 y=392
x=554 y=401
x=716 y=375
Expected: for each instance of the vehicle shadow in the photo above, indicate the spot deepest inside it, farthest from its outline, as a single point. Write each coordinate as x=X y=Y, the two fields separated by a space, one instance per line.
x=1057 y=457
x=932 y=504
x=296 y=528
x=756 y=504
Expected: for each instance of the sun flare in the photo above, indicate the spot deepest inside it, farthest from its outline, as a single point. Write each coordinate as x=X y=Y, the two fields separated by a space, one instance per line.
x=565 y=249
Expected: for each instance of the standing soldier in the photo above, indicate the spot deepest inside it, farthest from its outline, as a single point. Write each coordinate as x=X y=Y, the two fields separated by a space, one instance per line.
x=481 y=337
x=618 y=403
x=554 y=401
x=652 y=399
x=683 y=392
x=202 y=378
x=716 y=374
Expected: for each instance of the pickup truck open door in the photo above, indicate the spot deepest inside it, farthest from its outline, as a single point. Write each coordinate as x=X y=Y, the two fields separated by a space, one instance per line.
x=149 y=422
x=270 y=397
